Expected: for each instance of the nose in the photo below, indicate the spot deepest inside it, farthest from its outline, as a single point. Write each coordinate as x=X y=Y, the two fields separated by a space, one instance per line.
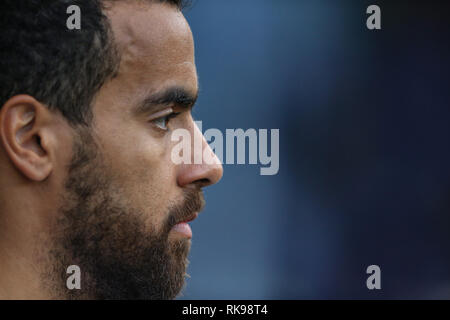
x=208 y=172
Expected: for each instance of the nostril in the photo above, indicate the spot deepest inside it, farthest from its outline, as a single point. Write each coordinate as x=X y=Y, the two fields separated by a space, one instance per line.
x=200 y=175
x=203 y=182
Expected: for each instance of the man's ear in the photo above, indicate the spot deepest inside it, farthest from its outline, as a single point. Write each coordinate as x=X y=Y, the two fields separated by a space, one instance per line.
x=26 y=136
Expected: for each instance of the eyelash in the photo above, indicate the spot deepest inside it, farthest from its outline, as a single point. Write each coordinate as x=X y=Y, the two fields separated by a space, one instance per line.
x=167 y=119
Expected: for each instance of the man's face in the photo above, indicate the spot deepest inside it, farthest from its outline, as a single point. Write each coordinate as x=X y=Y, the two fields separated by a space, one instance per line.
x=124 y=196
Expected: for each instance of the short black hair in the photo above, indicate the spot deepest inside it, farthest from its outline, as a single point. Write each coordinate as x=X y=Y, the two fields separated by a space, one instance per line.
x=61 y=68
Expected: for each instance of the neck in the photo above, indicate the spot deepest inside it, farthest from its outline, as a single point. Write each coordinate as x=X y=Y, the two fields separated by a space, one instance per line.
x=20 y=273
x=23 y=259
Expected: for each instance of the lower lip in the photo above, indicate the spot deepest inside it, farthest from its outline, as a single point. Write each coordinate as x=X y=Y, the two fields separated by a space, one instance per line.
x=184 y=229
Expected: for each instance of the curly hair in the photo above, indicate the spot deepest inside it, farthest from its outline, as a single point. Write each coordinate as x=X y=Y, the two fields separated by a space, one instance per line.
x=61 y=68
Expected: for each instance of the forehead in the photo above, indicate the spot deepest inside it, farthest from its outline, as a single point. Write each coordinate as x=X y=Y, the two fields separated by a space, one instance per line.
x=156 y=47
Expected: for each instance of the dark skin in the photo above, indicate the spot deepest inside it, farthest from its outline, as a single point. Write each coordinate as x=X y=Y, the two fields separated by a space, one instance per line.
x=157 y=52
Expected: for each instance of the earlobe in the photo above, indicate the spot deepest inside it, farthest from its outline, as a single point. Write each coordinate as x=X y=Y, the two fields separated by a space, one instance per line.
x=23 y=122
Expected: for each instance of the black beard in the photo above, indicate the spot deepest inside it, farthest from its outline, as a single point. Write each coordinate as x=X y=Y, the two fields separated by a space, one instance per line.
x=119 y=257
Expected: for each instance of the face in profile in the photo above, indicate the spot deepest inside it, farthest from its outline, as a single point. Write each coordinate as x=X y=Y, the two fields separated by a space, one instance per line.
x=104 y=195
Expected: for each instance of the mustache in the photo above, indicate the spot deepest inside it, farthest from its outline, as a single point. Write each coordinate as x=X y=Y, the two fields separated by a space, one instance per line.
x=193 y=202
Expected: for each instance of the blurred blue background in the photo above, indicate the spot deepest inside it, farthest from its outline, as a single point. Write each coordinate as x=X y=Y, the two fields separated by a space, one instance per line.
x=364 y=150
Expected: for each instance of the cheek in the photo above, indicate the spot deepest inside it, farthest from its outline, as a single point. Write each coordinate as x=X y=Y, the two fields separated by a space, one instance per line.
x=142 y=170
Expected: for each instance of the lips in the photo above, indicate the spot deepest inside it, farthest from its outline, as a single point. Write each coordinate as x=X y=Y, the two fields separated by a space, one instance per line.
x=190 y=218
x=187 y=212
x=184 y=228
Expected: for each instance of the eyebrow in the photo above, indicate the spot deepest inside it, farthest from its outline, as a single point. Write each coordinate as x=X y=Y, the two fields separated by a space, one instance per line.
x=178 y=96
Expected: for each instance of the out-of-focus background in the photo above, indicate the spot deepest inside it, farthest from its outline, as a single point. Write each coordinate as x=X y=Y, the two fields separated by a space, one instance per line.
x=364 y=149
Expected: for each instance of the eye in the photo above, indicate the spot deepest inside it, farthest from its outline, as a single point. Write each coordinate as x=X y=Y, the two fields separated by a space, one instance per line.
x=163 y=121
